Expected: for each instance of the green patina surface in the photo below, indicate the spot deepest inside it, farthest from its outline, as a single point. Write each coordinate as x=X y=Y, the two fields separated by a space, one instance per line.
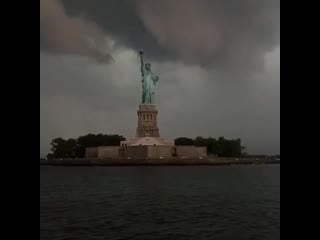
x=149 y=82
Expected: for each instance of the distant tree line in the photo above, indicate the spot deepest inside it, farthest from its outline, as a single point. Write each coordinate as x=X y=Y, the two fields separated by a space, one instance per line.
x=76 y=148
x=221 y=147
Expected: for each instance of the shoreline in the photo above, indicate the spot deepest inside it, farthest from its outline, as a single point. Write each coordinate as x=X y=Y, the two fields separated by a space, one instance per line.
x=155 y=162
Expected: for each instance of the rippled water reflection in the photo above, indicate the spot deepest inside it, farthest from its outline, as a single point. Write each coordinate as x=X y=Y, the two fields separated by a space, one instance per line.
x=228 y=202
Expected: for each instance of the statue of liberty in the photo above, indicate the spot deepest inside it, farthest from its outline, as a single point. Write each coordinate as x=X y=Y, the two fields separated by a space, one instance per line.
x=149 y=81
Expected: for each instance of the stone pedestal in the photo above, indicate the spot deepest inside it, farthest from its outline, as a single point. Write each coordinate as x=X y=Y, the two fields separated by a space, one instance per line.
x=147 y=144
x=147 y=121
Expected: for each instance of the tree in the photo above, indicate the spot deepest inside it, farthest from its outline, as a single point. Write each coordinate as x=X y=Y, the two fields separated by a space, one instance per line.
x=50 y=156
x=63 y=148
x=201 y=142
x=92 y=140
x=183 y=141
x=72 y=148
x=221 y=146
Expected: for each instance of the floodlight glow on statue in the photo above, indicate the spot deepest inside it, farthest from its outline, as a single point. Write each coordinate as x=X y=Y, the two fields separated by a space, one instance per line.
x=149 y=81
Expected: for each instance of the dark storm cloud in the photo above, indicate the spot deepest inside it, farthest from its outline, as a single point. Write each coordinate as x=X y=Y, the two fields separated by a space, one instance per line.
x=231 y=34
x=121 y=20
x=66 y=34
x=226 y=33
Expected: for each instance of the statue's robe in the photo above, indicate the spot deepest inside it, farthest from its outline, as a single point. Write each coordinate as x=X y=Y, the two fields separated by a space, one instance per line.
x=149 y=82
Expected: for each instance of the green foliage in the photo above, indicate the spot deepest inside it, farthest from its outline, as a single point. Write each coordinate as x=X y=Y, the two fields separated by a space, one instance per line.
x=183 y=141
x=62 y=148
x=221 y=146
x=75 y=148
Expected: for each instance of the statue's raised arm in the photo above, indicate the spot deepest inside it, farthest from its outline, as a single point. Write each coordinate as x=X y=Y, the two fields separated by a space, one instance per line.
x=142 y=63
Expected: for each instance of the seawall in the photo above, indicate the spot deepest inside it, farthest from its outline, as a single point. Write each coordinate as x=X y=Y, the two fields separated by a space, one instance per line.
x=155 y=162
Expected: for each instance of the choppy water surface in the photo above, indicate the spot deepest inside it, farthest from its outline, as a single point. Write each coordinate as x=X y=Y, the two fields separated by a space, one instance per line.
x=227 y=202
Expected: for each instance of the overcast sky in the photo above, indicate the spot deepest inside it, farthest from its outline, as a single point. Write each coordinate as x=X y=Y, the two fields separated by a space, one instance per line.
x=218 y=62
